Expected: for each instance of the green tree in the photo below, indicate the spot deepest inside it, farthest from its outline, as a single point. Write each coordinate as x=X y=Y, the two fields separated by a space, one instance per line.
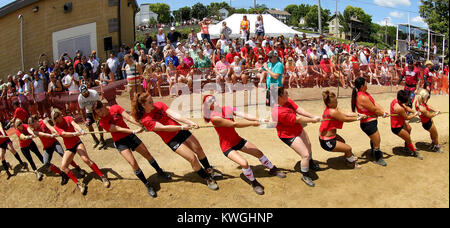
x=241 y=10
x=199 y=11
x=163 y=11
x=152 y=22
x=358 y=13
x=436 y=14
x=312 y=16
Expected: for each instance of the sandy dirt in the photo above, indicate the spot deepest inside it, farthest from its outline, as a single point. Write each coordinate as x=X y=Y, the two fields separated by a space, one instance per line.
x=405 y=182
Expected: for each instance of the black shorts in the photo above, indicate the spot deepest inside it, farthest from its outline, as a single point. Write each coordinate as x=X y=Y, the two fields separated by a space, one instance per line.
x=130 y=142
x=5 y=144
x=90 y=119
x=396 y=130
x=370 y=128
x=427 y=126
x=288 y=141
x=179 y=139
x=74 y=149
x=328 y=145
x=238 y=146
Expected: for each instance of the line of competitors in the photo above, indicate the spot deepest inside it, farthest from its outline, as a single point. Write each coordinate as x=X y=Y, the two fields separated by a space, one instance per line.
x=174 y=130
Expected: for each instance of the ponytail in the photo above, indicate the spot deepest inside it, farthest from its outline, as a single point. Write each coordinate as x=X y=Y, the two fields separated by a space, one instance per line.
x=326 y=97
x=359 y=82
x=354 y=94
x=137 y=109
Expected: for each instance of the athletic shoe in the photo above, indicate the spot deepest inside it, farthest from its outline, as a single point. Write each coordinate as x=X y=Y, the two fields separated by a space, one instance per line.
x=24 y=166
x=102 y=145
x=313 y=166
x=64 y=178
x=106 y=182
x=82 y=188
x=96 y=143
x=352 y=165
x=276 y=172
x=38 y=175
x=380 y=162
x=308 y=181
x=164 y=175
x=151 y=191
x=213 y=173
x=8 y=174
x=257 y=187
x=436 y=149
x=211 y=183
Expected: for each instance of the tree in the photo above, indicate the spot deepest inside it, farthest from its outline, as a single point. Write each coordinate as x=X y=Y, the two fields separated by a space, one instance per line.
x=241 y=10
x=359 y=13
x=199 y=11
x=312 y=16
x=152 y=22
x=436 y=14
x=185 y=13
x=163 y=11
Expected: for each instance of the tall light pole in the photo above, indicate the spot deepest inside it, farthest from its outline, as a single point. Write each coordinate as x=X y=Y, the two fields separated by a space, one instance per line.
x=320 y=19
x=21 y=40
x=385 y=30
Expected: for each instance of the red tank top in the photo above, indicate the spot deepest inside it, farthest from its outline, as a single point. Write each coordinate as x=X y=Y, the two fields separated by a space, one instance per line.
x=422 y=117
x=24 y=143
x=410 y=79
x=329 y=123
x=228 y=136
x=396 y=121
x=364 y=110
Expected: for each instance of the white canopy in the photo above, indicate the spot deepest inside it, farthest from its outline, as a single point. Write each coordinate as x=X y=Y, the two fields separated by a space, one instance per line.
x=272 y=27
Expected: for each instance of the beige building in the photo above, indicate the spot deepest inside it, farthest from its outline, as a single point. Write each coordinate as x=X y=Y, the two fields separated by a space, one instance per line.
x=336 y=27
x=53 y=27
x=282 y=16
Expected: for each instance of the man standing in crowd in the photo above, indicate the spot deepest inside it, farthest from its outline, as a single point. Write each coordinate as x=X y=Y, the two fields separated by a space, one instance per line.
x=173 y=37
x=274 y=69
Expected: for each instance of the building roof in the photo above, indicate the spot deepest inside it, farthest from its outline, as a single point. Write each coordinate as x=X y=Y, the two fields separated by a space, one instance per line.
x=277 y=12
x=14 y=6
x=19 y=4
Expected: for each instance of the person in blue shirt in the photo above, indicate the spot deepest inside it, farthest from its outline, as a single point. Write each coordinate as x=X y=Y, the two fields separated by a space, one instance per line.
x=172 y=57
x=274 y=69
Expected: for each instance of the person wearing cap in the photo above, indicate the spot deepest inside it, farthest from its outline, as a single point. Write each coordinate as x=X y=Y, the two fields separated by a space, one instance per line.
x=179 y=51
x=204 y=24
x=412 y=81
x=173 y=37
x=302 y=68
x=192 y=37
x=86 y=100
x=274 y=69
x=428 y=75
x=193 y=51
x=244 y=50
x=172 y=57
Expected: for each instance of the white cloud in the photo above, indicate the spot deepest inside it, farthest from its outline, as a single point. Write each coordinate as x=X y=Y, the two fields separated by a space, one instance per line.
x=419 y=21
x=396 y=14
x=387 y=20
x=393 y=3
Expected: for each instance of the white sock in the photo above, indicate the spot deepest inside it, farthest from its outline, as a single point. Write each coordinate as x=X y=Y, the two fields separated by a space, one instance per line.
x=304 y=169
x=265 y=161
x=351 y=159
x=249 y=174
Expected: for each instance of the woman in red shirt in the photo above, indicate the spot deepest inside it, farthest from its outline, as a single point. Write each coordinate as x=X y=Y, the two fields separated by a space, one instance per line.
x=332 y=119
x=26 y=144
x=6 y=143
x=157 y=117
x=399 y=115
x=231 y=142
x=290 y=131
x=365 y=104
x=125 y=140
x=66 y=127
x=50 y=145
x=426 y=115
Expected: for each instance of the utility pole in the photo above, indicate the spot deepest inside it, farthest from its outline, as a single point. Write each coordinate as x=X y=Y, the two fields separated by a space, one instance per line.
x=255 y=4
x=385 y=30
x=337 y=21
x=320 y=19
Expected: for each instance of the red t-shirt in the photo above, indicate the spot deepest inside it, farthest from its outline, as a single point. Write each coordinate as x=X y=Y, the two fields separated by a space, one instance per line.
x=325 y=65
x=228 y=137
x=183 y=70
x=24 y=143
x=158 y=114
x=363 y=110
x=244 y=51
x=411 y=78
x=396 y=121
x=46 y=142
x=21 y=114
x=66 y=126
x=230 y=57
x=329 y=123
x=114 y=118
x=286 y=116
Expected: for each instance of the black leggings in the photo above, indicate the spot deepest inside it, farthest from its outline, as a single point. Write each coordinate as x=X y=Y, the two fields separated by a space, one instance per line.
x=35 y=150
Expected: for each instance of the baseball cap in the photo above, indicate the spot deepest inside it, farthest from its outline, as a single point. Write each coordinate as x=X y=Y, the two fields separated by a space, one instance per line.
x=428 y=62
x=19 y=72
x=83 y=88
x=32 y=70
x=172 y=28
x=247 y=42
x=272 y=54
x=26 y=76
x=178 y=44
x=325 y=56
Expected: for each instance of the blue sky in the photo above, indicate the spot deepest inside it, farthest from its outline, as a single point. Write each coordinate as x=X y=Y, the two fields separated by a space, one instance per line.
x=392 y=11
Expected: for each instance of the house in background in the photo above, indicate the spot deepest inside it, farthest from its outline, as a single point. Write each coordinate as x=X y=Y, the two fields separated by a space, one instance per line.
x=144 y=15
x=282 y=16
x=335 y=27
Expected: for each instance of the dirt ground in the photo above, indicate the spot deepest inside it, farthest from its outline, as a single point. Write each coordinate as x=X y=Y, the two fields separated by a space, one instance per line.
x=405 y=182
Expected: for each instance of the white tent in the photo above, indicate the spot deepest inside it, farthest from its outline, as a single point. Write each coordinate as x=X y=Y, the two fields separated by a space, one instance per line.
x=272 y=27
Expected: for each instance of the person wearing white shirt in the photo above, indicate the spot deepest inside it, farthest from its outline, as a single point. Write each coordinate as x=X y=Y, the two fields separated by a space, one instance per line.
x=302 y=67
x=113 y=63
x=71 y=81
